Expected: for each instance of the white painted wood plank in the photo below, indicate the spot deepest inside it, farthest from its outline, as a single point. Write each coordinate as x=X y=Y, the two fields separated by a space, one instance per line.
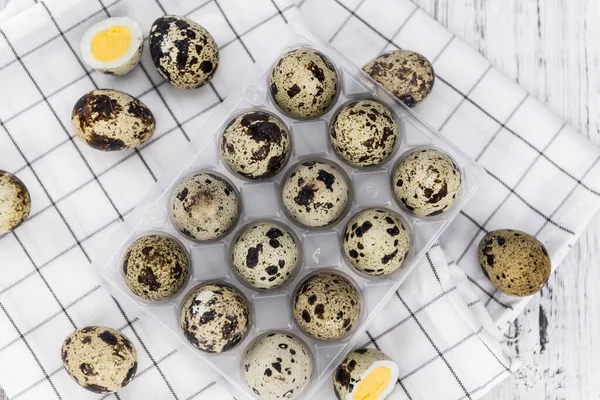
x=552 y=48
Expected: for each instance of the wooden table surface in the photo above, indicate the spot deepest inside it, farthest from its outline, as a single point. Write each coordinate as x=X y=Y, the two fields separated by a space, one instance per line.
x=552 y=48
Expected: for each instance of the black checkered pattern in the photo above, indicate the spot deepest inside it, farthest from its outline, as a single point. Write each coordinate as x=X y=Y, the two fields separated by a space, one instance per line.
x=80 y=196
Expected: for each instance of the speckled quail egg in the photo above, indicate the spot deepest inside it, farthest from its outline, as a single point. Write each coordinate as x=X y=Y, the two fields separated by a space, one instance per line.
x=107 y=119
x=255 y=144
x=99 y=359
x=406 y=74
x=316 y=193
x=365 y=374
x=277 y=365
x=15 y=202
x=363 y=133
x=265 y=255
x=204 y=207
x=183 y=52
x=215 y=317
x=427 y=182
x=515 y=262
x=155 y=267
x=376 y=242
x=326 y=305
x=113 y=45
x=304 y=83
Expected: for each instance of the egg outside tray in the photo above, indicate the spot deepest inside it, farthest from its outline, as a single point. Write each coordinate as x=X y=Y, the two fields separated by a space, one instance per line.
x=322 y=248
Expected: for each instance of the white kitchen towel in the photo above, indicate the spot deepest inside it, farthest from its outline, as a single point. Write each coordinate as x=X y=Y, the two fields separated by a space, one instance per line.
x=11 y=8
x=543 y=177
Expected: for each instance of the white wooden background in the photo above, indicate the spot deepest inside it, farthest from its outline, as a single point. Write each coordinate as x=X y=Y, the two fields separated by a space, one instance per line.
x=552 y=48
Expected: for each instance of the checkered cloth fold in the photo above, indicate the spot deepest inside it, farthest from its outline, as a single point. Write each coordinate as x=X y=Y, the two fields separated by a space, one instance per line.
x=441 y=325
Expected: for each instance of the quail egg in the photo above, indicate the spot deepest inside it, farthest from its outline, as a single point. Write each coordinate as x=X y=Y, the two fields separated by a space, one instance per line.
x=376 y=242
x=99 y=359
x=215 y=317
x=326 y=305
x=427 y=182
x=277 y=365
x=15 y=202
x=406 y=74
x=304 y=83
x=113 y=46
x=183 y=52
x=363 y=133
x=266 y=255
x=107 y=119
x=365 y=374
x=204 y=207
x=256 y=144
x=515 y=262
x=316 y=193
x=155 y=267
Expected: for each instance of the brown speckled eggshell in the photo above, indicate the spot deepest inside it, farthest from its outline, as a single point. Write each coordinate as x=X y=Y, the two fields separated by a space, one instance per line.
x=278 y=365
x=515 y=262
x=326 y=305
x=363 y=133
x=406 y=74
x=255 y=145
x=376 y=242
x=215 y=317
x=155 y=267
x=15 y=202
x=183 y=52
x=109 y=120
x=204 y=207
x=99 y=359
x=304 y=83
x=316 y=193
x=427 y=182
x=265 y=255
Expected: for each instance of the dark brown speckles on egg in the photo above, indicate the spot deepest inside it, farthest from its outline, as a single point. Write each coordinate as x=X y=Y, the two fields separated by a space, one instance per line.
x=376 y=242
x=215 y=317
x=427 y=182
x=515 y=262
x=279 y=365
x=266 y=255
x=407 y=75
x=183 y=52
x=316 y=193
x=15 y=202
x=335 y=294
x=155 y=267
x=304 y=83
x=204 y=206
x=256 y=145
x=364 y=133
x=110 y=120
x=100 y=359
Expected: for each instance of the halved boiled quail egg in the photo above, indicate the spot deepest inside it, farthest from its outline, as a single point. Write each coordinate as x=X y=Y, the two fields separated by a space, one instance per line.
x=113 y=46
x=365 y=374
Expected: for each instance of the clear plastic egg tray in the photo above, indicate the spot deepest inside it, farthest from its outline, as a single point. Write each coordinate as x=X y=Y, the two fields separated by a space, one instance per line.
x=261 y=200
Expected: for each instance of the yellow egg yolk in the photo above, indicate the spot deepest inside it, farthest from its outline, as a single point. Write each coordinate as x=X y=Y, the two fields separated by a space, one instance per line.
x=373 y=385
x=111 y=44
